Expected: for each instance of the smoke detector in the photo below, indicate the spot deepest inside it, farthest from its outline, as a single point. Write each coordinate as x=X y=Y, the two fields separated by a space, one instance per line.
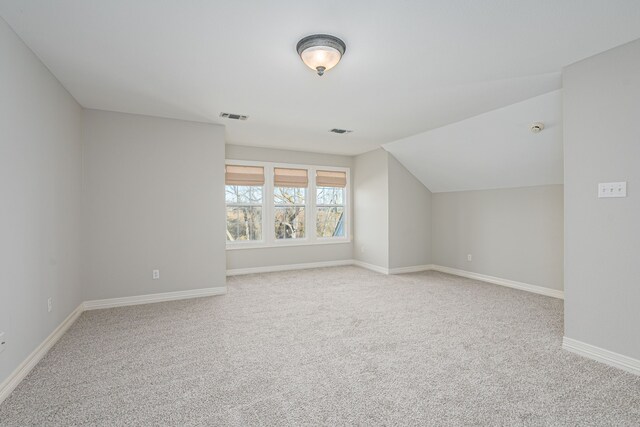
x=536 y=127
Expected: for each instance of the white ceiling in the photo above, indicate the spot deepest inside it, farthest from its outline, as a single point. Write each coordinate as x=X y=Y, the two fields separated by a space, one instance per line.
x=410 y=65
x=491 y=150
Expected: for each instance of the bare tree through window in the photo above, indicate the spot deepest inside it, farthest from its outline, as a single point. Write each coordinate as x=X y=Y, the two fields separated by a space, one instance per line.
x=244 y=212
x=329 y=212
x=289 y=212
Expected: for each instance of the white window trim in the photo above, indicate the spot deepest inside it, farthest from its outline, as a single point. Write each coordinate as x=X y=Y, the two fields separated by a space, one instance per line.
x=268 y=211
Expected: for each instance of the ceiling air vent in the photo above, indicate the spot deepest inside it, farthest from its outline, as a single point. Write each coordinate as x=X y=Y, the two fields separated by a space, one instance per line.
x=340 y=131
x=233 y=116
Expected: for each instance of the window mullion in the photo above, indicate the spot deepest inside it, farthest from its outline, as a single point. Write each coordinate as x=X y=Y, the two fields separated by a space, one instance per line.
x=310 y=210
x=268 y=201
x=347 y=206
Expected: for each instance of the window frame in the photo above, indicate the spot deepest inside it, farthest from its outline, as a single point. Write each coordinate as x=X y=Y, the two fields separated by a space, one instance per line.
x=239 y=205
x=268 y=209
x=322 y=205
x=304 y=206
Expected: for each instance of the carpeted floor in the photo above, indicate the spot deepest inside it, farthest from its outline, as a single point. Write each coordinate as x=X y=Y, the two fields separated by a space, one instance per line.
x=335 y=346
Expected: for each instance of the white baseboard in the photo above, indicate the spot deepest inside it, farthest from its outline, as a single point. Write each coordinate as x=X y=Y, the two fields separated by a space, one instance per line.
x=287 y=267
x=502 y=282
x=8 y=385
x=400 y=270
x=411 y=269
x=371 y=267
x=601 y=355
x=482 y=277
x=151 y=298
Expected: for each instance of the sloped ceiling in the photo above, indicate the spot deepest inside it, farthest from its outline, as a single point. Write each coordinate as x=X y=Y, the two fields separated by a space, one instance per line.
x=410 y=65
x=491 y=150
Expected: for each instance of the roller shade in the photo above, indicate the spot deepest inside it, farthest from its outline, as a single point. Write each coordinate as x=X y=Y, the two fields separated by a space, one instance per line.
x=284 y=177
x=331 y=179
x=244 y=175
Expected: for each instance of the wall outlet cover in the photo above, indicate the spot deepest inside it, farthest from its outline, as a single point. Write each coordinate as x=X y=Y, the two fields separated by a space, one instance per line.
x=612 y=189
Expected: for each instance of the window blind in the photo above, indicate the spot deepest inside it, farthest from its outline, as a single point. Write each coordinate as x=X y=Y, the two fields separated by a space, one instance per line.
x=331 y=179
x=285 y=177
x=244 y=175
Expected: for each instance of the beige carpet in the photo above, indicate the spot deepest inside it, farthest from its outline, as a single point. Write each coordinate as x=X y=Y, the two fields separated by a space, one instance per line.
x=335 y=346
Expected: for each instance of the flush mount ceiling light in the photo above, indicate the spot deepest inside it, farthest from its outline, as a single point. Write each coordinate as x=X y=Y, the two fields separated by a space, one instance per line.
x=321 y=52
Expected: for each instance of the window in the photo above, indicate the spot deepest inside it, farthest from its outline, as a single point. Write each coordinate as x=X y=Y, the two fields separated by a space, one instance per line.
x=289 y=212
x=244 y=187
x=330 y=202
x=272 y=204
x=289 y=195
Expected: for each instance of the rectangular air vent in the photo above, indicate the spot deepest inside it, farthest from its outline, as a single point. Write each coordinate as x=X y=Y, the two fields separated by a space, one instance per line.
x=340 y=131
x=233 y=116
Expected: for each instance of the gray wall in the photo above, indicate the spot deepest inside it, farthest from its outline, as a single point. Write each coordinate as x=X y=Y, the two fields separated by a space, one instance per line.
x=40 y=175
x=153 y=199
x=409 y=218
x=261 y=257
x=371 y=207
x=243 y=152
x=602 y=236
x=514 y=233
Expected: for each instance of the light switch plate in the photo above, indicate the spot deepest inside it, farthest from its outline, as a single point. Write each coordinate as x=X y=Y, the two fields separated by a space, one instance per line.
x=612 y=189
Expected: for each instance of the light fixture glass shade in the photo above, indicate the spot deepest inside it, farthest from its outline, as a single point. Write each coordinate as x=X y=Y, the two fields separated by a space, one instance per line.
x=321 y=52
x=321 y=56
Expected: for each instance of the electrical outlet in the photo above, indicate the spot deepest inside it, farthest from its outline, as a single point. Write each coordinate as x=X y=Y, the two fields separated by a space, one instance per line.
x=49 y=305
x=3 y=342
x=469 y=257
x=156 y=274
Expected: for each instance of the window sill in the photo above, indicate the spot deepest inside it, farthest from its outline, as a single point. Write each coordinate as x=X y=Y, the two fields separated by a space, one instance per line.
x=240 y=246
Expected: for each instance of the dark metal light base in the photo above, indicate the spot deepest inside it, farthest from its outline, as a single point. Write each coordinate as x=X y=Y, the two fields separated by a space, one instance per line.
x=321 y=40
